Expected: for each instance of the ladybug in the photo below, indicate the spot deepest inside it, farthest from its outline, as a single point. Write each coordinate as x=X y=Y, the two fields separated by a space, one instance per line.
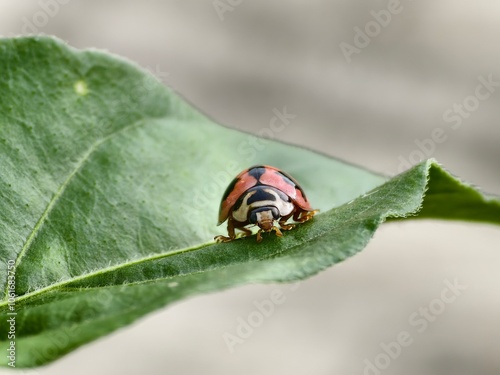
x=261 y=195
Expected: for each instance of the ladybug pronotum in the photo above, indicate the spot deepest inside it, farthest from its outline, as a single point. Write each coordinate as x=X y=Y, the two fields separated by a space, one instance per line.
x=261 y=195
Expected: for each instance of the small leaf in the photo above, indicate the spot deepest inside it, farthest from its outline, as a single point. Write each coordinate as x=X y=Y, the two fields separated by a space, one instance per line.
x=110 y=187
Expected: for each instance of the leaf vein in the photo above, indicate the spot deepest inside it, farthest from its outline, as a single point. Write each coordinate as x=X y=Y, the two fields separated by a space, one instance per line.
x=31 y=237
x=110 y=268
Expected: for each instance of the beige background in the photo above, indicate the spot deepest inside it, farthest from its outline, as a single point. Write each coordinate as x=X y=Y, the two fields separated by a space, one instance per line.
x=270 y=54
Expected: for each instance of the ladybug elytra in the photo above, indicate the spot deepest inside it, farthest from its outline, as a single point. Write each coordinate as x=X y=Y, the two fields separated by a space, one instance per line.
x=261 y=195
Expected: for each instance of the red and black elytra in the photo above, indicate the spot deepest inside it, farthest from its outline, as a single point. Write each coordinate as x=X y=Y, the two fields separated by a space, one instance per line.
x=261 y=195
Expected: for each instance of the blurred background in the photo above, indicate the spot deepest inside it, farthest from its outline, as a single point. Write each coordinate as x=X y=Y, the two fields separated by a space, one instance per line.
x=372 y=83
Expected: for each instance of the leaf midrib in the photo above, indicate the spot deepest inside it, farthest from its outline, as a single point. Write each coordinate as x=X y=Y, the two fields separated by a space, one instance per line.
x=115 y=267
x=161 y=256
x=104 y=270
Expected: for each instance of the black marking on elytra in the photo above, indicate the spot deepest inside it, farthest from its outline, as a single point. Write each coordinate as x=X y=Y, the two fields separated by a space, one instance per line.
x=257 y=171
x=291 y=181
x=229 y=189
x=287 y=179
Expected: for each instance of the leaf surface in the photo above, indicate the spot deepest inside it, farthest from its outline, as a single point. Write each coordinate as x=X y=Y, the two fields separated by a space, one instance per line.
x=110 y=186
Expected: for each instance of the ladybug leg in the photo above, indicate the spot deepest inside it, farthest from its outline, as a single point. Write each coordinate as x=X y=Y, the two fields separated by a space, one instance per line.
x=275 y=228
x=220 y=238
x=246 y=232
x=278 y=232
x=259 y=236
x=283 y=221
x=230 y=232
x=302 y=216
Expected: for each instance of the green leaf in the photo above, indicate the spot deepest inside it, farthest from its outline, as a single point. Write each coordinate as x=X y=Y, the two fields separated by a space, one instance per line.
x=110 y=187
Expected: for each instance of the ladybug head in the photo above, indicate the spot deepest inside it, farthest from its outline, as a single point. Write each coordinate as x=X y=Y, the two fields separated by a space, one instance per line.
x=264 y=217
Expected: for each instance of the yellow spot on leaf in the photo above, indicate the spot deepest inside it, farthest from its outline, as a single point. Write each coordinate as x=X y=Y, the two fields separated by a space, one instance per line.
x=81 y=88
